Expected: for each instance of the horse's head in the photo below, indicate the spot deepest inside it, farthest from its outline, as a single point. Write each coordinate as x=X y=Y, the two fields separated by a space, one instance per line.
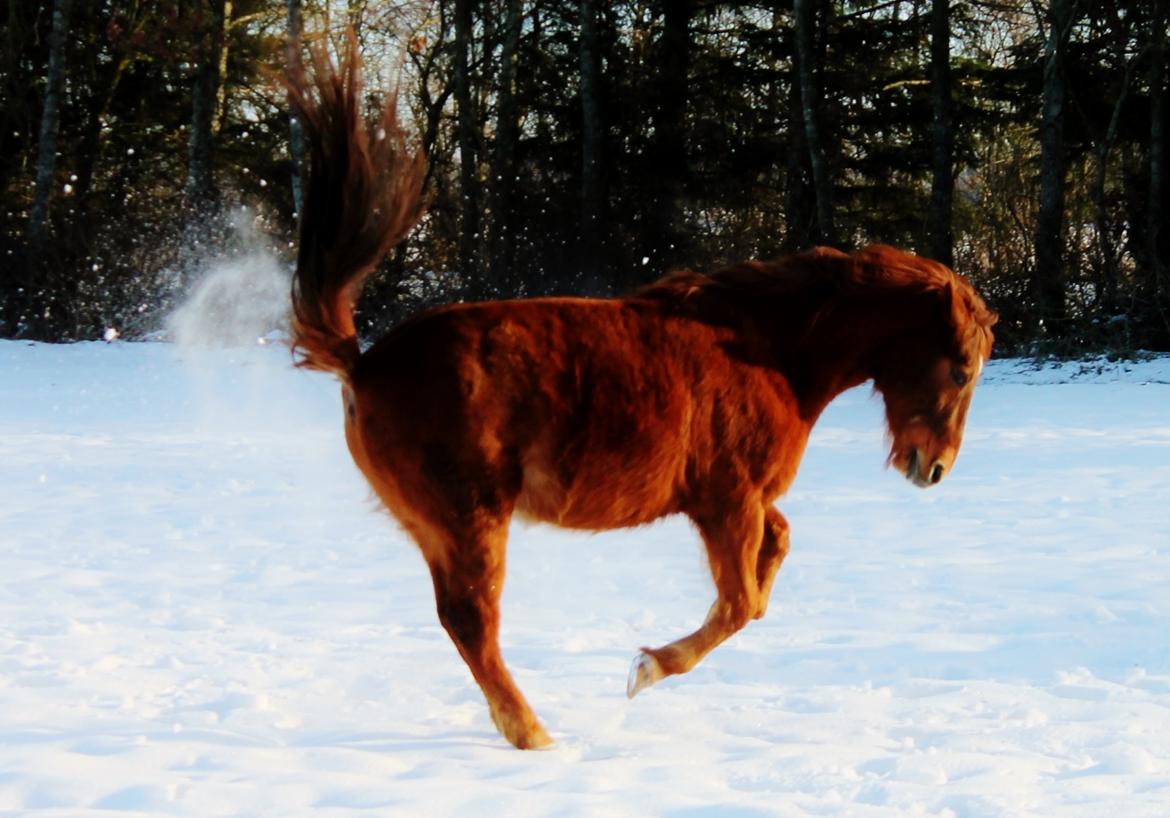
x=927 y=378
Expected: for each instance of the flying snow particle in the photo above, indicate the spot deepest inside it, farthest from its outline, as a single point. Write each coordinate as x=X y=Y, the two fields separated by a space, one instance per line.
x=645 y=260
x=109 y=335
x=68 y=188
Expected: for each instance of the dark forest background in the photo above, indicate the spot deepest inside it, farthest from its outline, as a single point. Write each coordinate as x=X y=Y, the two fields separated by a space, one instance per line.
x=587 y=147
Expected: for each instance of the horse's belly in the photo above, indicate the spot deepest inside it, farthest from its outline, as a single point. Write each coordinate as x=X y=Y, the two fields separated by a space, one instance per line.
x=601 y=493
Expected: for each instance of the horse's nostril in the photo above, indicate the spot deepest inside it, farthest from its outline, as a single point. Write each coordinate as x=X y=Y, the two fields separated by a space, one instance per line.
x=936 y=473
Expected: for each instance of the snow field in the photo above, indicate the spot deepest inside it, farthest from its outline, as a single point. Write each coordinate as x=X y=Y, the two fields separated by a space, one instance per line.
x=203 y=614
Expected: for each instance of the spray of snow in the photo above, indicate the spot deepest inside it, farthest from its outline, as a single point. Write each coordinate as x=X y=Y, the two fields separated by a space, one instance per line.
x=238 y=300
x=235 y=309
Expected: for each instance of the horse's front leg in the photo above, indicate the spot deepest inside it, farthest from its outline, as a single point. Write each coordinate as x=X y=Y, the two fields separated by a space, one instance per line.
x=773 y=550
x=734 y=540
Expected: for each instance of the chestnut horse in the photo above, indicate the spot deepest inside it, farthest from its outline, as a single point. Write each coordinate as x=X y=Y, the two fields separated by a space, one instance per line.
x=694 y=395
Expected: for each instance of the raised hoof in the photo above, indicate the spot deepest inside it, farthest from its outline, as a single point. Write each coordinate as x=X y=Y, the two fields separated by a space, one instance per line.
x=643 y=673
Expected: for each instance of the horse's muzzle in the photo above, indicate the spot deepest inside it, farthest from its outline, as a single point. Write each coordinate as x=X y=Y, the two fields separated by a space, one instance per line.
x=915 y=474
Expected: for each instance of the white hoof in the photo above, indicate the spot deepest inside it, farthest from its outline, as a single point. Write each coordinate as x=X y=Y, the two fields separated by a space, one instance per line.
x=643 y=673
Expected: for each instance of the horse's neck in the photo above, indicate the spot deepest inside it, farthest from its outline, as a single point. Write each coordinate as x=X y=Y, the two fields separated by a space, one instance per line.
x=837 y=350
x=819 y=343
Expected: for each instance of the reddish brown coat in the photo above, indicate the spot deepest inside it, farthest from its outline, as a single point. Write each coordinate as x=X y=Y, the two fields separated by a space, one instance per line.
x=695 y=395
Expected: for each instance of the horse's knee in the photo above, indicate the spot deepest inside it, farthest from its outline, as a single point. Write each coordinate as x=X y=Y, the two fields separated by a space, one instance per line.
x=733 y=613
x=740 y=616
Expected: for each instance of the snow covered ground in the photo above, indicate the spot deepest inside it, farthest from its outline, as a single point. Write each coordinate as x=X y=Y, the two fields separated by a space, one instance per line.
x=202 y=614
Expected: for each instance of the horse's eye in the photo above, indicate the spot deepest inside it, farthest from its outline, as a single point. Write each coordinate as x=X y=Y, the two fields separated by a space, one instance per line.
x=959 y=376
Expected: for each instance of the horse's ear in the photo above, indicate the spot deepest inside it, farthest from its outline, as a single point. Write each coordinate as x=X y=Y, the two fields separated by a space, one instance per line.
x=953 y=305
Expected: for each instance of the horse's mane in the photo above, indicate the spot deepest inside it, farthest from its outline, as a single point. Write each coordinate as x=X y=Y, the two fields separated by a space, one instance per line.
x=872 y=270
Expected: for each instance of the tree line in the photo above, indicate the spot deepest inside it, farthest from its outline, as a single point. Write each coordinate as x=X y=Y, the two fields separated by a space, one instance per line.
x=587 y=147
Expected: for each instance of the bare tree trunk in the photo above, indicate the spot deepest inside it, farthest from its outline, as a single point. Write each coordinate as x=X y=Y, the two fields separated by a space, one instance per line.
x=296 y=131
x=469 y=238
x=822 y=184
x=222 y=60
x=425 y=63
x=107 y=79
x=200 y=145
x=538 y=39
x=592 y=154
x=771 y=240
x=799 y=202
x=1157 y=235
x=15 y=118
x=670 y=154
x=1107 y=255
x=1048 y=280
x=942 y=186
x=504 y=170
x=50 y=120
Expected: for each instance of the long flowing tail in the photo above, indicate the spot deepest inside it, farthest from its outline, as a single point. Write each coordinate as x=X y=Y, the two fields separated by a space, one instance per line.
x=364 y=195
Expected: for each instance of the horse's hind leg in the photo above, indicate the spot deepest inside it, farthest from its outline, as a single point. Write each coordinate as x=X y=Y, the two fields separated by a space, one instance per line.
x=733 y=541
x=469 y=578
